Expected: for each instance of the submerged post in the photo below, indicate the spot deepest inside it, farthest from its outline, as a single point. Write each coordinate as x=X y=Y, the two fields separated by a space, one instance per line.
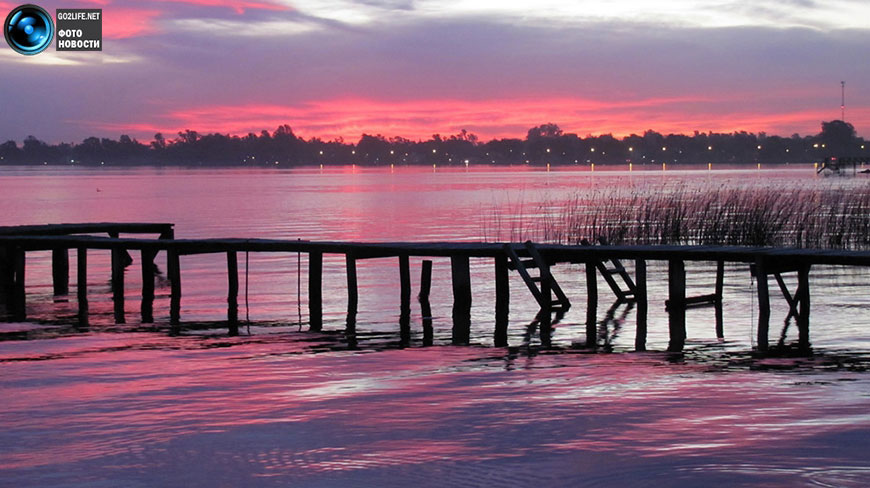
x=461 y=275
x=82 y=285
x=717 y=303
x=803 y=295
x=640 y=297
x=352 y=291
x=591 y=305
x=118 y=263
x=425 y=308
x=315 y=291
x=405 y=298
x=19 y=295
x=233 y=293
x=763 y=304
x=546 y=317
x=6 y=276
x=405 y=279
x=502 y=300
x=677 y=305
x=60 y=271
x=148 y=271
x=173 y=265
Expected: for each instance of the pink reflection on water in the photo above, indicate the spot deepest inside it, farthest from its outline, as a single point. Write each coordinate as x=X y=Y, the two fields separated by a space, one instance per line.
x=361 y=411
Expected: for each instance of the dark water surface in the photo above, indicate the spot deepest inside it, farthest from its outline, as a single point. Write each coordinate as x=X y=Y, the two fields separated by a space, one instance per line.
x=130 y=406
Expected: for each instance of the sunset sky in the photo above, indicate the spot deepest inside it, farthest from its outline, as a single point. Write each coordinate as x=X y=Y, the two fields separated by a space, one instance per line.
x=413 y=68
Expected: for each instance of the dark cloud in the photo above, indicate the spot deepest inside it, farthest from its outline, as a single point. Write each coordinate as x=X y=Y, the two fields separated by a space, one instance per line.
x=755 y=69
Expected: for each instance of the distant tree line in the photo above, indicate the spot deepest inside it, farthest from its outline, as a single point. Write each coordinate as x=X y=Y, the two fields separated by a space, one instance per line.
x=544 y=144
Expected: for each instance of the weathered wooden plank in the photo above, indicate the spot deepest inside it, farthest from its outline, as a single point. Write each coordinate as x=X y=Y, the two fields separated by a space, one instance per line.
x=405 y=284
x=60 y=271
x=315 y=291
x=461 y=275
x=502 y=301
x=149 y=270
x=720 y=285
x=7 y=276
x=642 y=305
x=118 y=264
x=677 y=308
x=591 y=305
x=352 y=291
x=423 y=297
x=803 y=296
x=82 y=285
x=173 y=265
x=19 y=294
x=763 y=304
x=233 y=293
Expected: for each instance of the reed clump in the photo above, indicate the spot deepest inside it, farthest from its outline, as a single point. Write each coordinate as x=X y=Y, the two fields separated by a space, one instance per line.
x=820 y=218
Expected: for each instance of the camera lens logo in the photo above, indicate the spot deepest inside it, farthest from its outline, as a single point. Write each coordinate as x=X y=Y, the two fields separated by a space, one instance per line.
x=28 y=29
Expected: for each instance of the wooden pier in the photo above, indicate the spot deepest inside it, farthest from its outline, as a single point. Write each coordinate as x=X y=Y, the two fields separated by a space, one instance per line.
x=16 y=242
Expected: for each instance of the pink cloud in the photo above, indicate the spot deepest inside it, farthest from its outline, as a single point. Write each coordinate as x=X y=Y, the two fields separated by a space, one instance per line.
x=419 y=119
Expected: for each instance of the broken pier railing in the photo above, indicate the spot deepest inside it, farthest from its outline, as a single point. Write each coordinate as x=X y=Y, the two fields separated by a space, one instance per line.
x=532 y=261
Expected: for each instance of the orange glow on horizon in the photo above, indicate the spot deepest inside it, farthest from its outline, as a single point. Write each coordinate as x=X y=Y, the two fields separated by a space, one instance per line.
x=488 y=119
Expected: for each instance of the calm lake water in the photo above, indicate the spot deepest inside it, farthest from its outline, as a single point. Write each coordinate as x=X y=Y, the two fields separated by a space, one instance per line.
x=131 y=406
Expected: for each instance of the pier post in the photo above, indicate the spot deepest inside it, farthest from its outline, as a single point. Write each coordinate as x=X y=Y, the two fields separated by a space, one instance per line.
x=405 y=297
x=315 y=291
x=146 y=308
x=763 y=304
x=82 y=285
x=546 y=313
x=352 y=292
x=461 y=275
x=425 y=308
x=591 y=305
x=7 y=276
x=173 y=265
x=118 y=263
x=677 y=307
x=803 y=295
x=717 y=303
x=19 y=295
x=60 y=271
x=502 y=301
x=233 y=293
x=640 y=297
x=405 y=279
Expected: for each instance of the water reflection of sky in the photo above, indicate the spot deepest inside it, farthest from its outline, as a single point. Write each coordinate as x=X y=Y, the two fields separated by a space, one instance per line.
x=157 y=410
x=129 y=406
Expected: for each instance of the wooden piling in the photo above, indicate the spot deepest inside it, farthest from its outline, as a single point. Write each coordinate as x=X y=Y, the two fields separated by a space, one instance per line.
x=173 y=265
x=591 y=305
x=82 y=285
x=425 y=308
x=233 y=293
x=763 y=304
x=7 y=276
x=677 y=308
x=146 y=308
x=118 y=283
x=19 y=295
x=642 y=305
x=315 y=291
x=405 y=279
x=60 y=271
x=502 y=301
x=803 y=319
x=461 y=275
x=352 y=291
x=546 y=313
x=720 y=284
